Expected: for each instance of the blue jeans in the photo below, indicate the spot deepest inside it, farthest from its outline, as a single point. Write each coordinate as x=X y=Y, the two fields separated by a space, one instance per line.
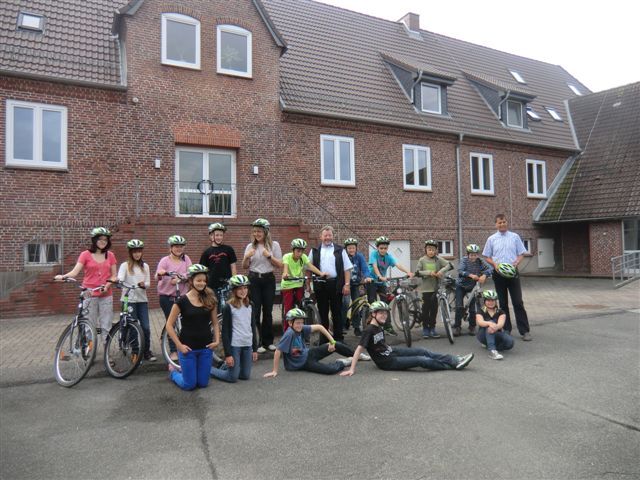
x=195 y=365
x=461 y=292
x=495 y=341
x=241 y=366
x=141 y=312
x=403 y=358
x=313 y=363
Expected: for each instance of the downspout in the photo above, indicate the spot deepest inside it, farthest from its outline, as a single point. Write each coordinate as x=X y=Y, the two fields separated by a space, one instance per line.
x=506 y=97
x=420 y=74
x=459 y=193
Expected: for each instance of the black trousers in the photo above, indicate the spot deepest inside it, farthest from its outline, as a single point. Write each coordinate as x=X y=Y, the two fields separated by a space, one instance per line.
x=263 y=291
x=328 y=298
x=510 y=287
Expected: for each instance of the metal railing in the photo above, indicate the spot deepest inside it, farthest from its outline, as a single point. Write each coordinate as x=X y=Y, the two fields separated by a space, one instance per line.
x=625 y=268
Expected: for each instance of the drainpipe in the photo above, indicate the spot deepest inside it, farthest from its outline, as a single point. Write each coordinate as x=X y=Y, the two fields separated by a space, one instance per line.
x=420 y=73
x=458 y=181
x=506 y=97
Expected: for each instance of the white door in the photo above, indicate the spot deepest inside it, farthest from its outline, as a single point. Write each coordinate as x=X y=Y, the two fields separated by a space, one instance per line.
x=401 y=250
x=545 y=253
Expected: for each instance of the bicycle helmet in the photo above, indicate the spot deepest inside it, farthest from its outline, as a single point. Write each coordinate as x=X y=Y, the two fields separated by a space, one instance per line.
x=298 y=243
x=507 y=270
x=99 y=231
x=176 y=240
x=379 y=305
x=489 y=295
x=295 y=313
x=382 y=241
x=473 y=248
x=261 y=222
x=350 y=241
x=239 y=281
x=217 y=226
x=195 y=269
x=135 y=243
x=430 y=243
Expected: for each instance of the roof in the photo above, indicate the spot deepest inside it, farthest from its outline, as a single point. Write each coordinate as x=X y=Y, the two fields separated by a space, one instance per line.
x=604 y=181
x=76 y=46
x=334 y=67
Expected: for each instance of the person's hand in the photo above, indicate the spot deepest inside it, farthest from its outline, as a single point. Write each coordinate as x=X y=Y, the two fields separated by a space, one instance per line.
x=473 y=277
x=368 y=280
x=250 y=253
x=346 y=290
x=254 y=356
x=266 y=253
x=383 y=279
x=410 y=274
x=272 y=374
x=331 y=347
x=184 y=349
x=141 y=284
x=324 y=274
x=58 y=278
x=439 y=274
x=229 y=361
x=161 y=273
x=213 y=345
x=482 y=279
x=174 y=280
x=347 y=373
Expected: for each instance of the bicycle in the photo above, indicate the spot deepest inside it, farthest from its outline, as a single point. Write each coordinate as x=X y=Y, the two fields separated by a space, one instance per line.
x=399 y=302
x=308 y=305
x=444 y=305
x=123 y=349
x=359 y=307
x=475 y=295
x=77 y=345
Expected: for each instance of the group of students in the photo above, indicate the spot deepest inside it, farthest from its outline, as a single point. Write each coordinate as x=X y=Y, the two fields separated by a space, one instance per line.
x=193 y=291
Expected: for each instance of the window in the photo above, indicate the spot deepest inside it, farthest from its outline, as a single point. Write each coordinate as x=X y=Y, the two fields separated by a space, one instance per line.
x=527 y=246
x=481 y=174
x=41 y=254
x=514 y=114
x=554 y=114
x=205 y=183
x=337 y=161
x=180 y=40
x=36 y=135
x=30 y=21
x=574 y=89
x=533 y=115
x=431 y=98
x=445 y=248
x=536 y=179
x=234 y=51
x=517 y=76
x=416 y=167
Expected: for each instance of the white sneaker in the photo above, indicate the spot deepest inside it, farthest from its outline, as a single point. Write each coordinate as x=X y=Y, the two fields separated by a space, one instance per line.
x=345 y=361
x=261 y=349
x=364 y=357
x=494 y=355
x=272 y=347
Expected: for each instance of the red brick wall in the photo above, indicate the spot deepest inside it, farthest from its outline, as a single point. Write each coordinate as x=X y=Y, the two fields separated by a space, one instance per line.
x=605 y=240
x=575 y=247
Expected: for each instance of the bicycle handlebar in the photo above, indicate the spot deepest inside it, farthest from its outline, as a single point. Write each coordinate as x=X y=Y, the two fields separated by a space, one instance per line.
x=121 y=284
x=314 y=278
x=177 y=275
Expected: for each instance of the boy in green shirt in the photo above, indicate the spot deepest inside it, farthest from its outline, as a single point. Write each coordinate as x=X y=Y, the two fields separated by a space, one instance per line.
x=430 y=268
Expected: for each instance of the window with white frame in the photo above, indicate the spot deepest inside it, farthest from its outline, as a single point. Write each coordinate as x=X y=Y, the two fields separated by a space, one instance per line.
x=519 y=78
x=574 y=89
x=205 y=182
x=337 y=163
x=180 y=40
x=416 y=167
x=234 y=51
x=445 y=248
x=31 y=21
x=554 y=114
x=36 y=135
x=514 y=114
x=533 y=115
x=41 y=254
x=481 y=174
x=536 y=179
x=527 y=246
x=431 y=98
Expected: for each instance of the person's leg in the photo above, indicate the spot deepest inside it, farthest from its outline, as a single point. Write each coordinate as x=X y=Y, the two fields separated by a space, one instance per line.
x=186 y=379
x=460 y=293
x=515 y=292
x=473 y=308
x=141 y=312
x=255 y=291
x=482 y=336
x=245 y=361
x=490 y=340
x=432 y=309
x=504 y=341
x=225 y=373
x=500 y=284
x=105 y=315
x=427 y=358
x=322 y=302
x=424 y=315
x=287 y=304
x=335 y=298
x=313 y=363
x=268 y=295
x=204 y=358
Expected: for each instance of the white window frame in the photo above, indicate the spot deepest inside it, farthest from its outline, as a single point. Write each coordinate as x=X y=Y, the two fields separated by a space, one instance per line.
x=178 y=17
x=205 y=152
x=574 y=89
x=521 y=120
x=25 y=21
x=554 y=114
x=540 y=191
x=445 y=248
x=519 y=78
x=416 y=186
x=533 y=115
x=37 y=161
x=43 y=254
x=237 y=31
x=336 y=159
x=481 y=190
x=527 y=242
x=437 y=87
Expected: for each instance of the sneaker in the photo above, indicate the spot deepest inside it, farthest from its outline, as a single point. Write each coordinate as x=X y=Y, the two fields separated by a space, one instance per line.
x=464 y=361
x=364 y=357
x=472 y=329
x=345 y=361
x=526 y=337
x=494 y=355
x=272 y=348
x=457 y=331
x=484 y=345
x=434 y=334
x=357 y=332
x=150 y=357
x=426 y=333
x=261 y=349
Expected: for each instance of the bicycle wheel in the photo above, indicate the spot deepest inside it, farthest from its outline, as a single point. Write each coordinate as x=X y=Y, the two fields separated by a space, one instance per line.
x=165 y=346
x=123 y=350
x=443 y=308
x=403 y=313
x=75 y=352
x=364 y=313
x=415 y=311
x=313 y=318
x=451 y=298
x=396 y=320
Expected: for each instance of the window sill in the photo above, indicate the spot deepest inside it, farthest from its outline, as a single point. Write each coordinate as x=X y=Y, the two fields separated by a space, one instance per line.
x=232 y=73
x=537 y=197
x=483 y=193
x=49 y=168
x=341 y=185
x=187 y=66
x=416 y=189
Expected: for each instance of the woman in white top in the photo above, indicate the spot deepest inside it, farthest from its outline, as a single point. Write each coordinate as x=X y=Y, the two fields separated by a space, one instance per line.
x=136 y=272
x=261 y=257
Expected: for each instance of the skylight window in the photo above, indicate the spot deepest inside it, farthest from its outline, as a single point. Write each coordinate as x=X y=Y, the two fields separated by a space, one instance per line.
x=31 y=21
x=532 y=114
x=517 y=76
x=554 y=114
x=574 y=89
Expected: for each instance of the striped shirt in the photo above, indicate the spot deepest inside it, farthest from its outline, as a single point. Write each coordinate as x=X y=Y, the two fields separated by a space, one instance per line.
x=504 y=247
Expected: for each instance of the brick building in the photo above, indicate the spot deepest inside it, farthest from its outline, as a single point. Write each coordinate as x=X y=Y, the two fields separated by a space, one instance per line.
x=167 y=115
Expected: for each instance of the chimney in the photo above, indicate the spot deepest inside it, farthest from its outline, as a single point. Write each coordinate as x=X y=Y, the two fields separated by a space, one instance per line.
x=411 y=21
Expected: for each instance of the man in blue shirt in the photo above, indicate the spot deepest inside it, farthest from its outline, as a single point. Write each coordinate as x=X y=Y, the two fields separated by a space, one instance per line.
x=505 y=247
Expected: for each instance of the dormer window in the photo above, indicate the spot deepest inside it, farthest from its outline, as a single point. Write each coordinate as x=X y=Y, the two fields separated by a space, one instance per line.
x=514 y=114
x=234 y=51
x=517 y=76
x=180 y=40
x=431 y=98
x=574 y=89
x=31 y=21
x=531 y=113
x=554 y=114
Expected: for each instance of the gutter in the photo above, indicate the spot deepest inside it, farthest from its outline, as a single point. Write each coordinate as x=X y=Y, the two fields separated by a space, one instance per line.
x=459 y=193
x=68 y=81
x=506 y=97
x=420 y=73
